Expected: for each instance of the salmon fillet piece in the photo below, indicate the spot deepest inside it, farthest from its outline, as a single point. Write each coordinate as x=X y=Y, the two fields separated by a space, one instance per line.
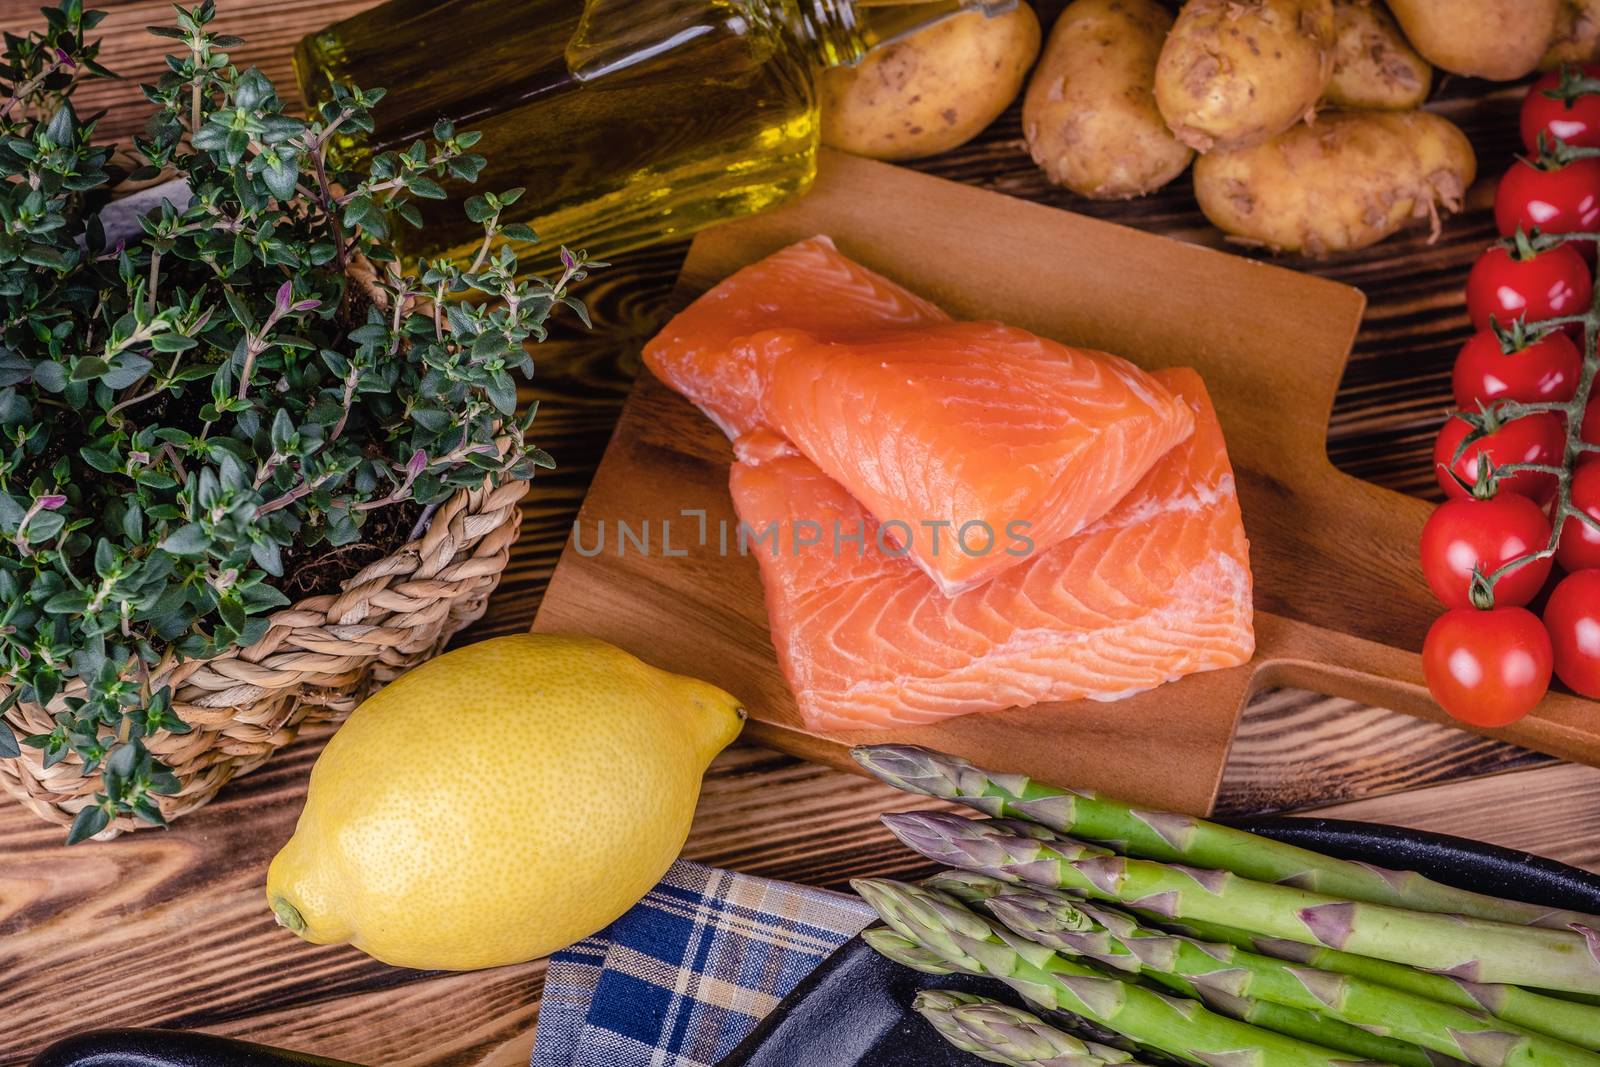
x=811 y=284
x=936 y=426
x=1156 y=589
x=954 y=435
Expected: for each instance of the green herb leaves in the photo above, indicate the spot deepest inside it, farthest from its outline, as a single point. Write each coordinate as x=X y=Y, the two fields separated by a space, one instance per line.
x=178 y=413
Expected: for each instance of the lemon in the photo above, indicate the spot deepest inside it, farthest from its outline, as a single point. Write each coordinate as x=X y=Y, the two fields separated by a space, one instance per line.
x=498 y=803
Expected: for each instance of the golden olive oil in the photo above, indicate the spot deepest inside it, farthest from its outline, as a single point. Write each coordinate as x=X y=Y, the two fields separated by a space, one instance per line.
x=628 y=122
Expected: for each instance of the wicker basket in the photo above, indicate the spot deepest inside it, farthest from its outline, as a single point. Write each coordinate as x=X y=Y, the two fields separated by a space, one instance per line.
x=320 y=658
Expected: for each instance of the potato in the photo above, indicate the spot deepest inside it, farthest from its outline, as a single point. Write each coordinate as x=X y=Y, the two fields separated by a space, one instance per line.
x=1090 y=114
x=931 y=91
x=1577 y=36
x=1235 y=72
x=1374 y=66
x=1350 y=180
x=1496 y=39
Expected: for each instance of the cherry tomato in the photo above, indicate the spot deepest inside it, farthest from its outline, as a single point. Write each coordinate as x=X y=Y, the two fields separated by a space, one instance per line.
x=1487 y=668
x=1575 y=121
x=1580 y=542
x=1464 y=535
x=1561 y=199
x=1573 y=619
x=1510 y=284
x=1537 y=438
x=1546 y=371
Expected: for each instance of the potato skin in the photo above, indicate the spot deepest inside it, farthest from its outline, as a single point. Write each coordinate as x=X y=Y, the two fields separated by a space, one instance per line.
x=1374 y=66
x=1090 y=114
x=931 y=91
x=1235 y=72
x=1496 y=39
x=1350 y=180
x=1577 y=36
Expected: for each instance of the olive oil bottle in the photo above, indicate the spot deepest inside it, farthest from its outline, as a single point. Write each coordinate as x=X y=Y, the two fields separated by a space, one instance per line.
x=628 y=122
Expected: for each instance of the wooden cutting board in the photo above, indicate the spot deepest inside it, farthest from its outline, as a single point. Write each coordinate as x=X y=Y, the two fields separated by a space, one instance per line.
x=1341 y=606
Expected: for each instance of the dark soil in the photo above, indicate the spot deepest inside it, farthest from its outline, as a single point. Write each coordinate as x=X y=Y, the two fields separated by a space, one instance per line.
x=180 y=409
x=322 y=571
x=39 y=466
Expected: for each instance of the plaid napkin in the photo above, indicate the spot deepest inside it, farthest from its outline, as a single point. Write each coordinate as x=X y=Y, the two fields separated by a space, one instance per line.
x=684 y=976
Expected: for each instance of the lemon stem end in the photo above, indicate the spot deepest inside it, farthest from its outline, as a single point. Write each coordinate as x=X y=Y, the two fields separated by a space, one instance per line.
x=288 y=915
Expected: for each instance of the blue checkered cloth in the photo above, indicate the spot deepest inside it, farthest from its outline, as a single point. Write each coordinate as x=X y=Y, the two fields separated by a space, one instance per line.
x=684 y=976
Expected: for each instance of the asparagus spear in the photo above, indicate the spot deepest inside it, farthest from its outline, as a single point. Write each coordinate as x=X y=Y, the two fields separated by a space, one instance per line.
x=942 y=925
x=1308 y=1026
x=1182 y=839
x=1570 y=1017
x=908 y=953
x=969 y=887
x=1577 y=1024
x=1000 y=1033
x=1119 y=941
x=1473 y=949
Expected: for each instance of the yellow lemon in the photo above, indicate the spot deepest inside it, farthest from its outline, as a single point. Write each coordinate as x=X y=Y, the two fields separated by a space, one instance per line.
x=498 y=803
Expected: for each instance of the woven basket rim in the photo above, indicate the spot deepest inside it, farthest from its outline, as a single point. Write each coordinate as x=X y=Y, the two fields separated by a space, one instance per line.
x=309 y=603
x=249 y=700
x=168 y=662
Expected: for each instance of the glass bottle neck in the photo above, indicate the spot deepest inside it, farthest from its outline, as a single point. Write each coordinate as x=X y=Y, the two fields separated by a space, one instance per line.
x=616 y=36
x=837 y=33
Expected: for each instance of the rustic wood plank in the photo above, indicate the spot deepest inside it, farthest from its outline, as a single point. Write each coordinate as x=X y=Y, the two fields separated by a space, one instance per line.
x=580 y=384
x=1549 y=811
x=1295 y=750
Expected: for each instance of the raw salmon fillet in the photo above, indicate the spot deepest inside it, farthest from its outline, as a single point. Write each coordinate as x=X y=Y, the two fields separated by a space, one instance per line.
x=953 y=434
x=809 y=284
x=1156 y=589
x=937 y=427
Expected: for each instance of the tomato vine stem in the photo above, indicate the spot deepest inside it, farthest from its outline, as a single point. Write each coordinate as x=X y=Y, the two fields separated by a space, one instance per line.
x=1574 y=411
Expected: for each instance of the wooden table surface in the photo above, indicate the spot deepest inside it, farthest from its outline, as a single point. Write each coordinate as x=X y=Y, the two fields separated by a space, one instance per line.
x=170 y=929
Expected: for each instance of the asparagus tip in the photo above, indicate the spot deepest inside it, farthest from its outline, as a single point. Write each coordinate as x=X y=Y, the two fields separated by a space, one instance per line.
x=928 y=1000
x=900 y=949
x=910 y=768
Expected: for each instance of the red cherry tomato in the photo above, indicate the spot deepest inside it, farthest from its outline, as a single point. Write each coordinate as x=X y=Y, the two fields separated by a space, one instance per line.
x=1562 y=199
x=1573 y=619
x=1575 y=121
x=1580 y=542
x=1542 y=285
x=1466 y=535
x=1546 y=371
x=1537 y=438
x=1487 y=668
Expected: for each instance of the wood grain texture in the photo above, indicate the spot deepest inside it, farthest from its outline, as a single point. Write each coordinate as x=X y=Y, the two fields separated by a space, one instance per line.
x=1296 y=750
x=170 y=928
x=1549 y=810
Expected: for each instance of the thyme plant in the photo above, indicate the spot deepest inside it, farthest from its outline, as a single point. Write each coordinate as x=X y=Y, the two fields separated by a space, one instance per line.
x=179 y=409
